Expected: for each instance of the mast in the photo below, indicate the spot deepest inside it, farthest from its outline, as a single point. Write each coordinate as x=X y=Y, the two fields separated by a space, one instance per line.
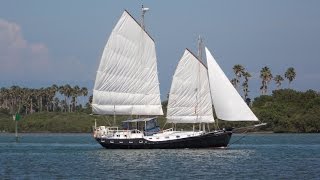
x=198 y=89
x=200 y=48
x=200 y=43
x=114 y=115
x=143 y=11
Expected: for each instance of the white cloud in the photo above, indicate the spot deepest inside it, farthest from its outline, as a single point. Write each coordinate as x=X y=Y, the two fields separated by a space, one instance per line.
x=20 y=59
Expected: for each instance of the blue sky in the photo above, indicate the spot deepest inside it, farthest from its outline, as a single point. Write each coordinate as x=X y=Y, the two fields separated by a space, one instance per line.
x=46 y=42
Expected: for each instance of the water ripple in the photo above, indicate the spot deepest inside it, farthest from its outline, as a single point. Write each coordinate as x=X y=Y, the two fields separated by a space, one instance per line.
x=59 y=156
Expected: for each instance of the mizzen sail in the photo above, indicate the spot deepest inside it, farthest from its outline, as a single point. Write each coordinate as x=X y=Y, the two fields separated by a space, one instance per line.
x=127 y=78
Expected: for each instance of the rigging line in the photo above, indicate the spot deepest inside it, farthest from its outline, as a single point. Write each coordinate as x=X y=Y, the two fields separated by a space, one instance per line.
x=164 y=125
x=105 y=119
x=240 y=138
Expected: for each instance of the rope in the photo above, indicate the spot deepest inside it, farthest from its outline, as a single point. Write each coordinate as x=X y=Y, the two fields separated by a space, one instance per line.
x=245 y=132
x=239 y=138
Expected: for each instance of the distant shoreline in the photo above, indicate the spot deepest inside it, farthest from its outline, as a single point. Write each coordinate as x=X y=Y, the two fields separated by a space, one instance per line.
x=259 y=132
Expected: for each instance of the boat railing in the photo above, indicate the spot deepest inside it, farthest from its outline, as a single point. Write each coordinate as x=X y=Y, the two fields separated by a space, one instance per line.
x=112 y=131
x=116 y=129
x=168 y=130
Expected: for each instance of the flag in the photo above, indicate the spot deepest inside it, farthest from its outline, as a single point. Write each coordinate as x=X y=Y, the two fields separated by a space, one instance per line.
x=17 y=117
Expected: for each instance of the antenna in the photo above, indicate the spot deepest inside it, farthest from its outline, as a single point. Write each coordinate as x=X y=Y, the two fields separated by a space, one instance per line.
x=143 y=11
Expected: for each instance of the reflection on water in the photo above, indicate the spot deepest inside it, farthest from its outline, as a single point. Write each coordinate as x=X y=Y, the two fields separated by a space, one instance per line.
x=78 y=156
x=192 y=163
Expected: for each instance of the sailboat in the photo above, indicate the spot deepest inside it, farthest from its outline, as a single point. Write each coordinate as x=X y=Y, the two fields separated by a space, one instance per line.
x=127 y=84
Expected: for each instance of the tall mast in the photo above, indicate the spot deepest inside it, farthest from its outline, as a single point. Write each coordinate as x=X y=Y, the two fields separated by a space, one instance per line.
x=200 y=58
x=143 y=11
x=198 y=88
x=200 y=48
x=200 y=44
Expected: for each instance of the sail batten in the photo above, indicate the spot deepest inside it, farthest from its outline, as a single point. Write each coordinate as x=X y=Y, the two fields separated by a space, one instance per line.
x=127 y=78
x=228 y=104
x=189 y=97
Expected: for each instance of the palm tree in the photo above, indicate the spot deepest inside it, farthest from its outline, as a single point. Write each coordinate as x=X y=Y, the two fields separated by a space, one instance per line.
x=56 y=102
x=41 y=96
x=66 y=91
x=238 y=71
x=233 y=82
x=278 y=79
x=61 y=91
x=16 y=96
x=245 y=89
x=25 y=99
x=246 y=75
x=84 y=91
x=47 y=97
x=63 y=105
x=290 y=74
x=4 y=98
x=74 y=94
x=266 y=76
x=52 y=93
x=245 y=84
x=90 y=99
x=32 y=96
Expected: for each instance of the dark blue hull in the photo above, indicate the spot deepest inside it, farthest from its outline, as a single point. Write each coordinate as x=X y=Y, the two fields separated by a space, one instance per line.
x=208 y=140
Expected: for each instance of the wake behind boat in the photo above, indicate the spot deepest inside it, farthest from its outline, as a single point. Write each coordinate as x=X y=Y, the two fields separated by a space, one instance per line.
x=127 y=84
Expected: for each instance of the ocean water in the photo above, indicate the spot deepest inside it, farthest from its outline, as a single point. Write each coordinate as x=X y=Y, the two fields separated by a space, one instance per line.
x=78 y=156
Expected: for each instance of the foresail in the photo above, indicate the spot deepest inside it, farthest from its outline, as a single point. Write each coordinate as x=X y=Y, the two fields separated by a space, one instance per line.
x=127 y=80
x=189 y=97
x=227 y=102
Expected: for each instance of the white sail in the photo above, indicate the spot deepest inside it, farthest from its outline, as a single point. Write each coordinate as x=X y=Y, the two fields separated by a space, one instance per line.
x=228 y=104
x=189 y=97
x=127 y=80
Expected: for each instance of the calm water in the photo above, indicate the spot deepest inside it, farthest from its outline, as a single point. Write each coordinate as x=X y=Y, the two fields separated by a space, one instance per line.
x=78 y=156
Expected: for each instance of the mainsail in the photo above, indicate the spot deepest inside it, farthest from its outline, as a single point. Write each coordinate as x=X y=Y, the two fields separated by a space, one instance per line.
x=189 y=97
x=228 y=104
x=127 y=80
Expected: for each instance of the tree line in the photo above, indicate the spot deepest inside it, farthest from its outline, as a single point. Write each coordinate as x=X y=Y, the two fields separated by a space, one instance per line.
x=51 y=99
x=287 y=110
x=65 y=98
x=265 y=75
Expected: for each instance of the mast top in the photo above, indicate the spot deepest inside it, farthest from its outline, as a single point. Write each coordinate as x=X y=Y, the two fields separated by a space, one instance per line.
x=143 y=11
